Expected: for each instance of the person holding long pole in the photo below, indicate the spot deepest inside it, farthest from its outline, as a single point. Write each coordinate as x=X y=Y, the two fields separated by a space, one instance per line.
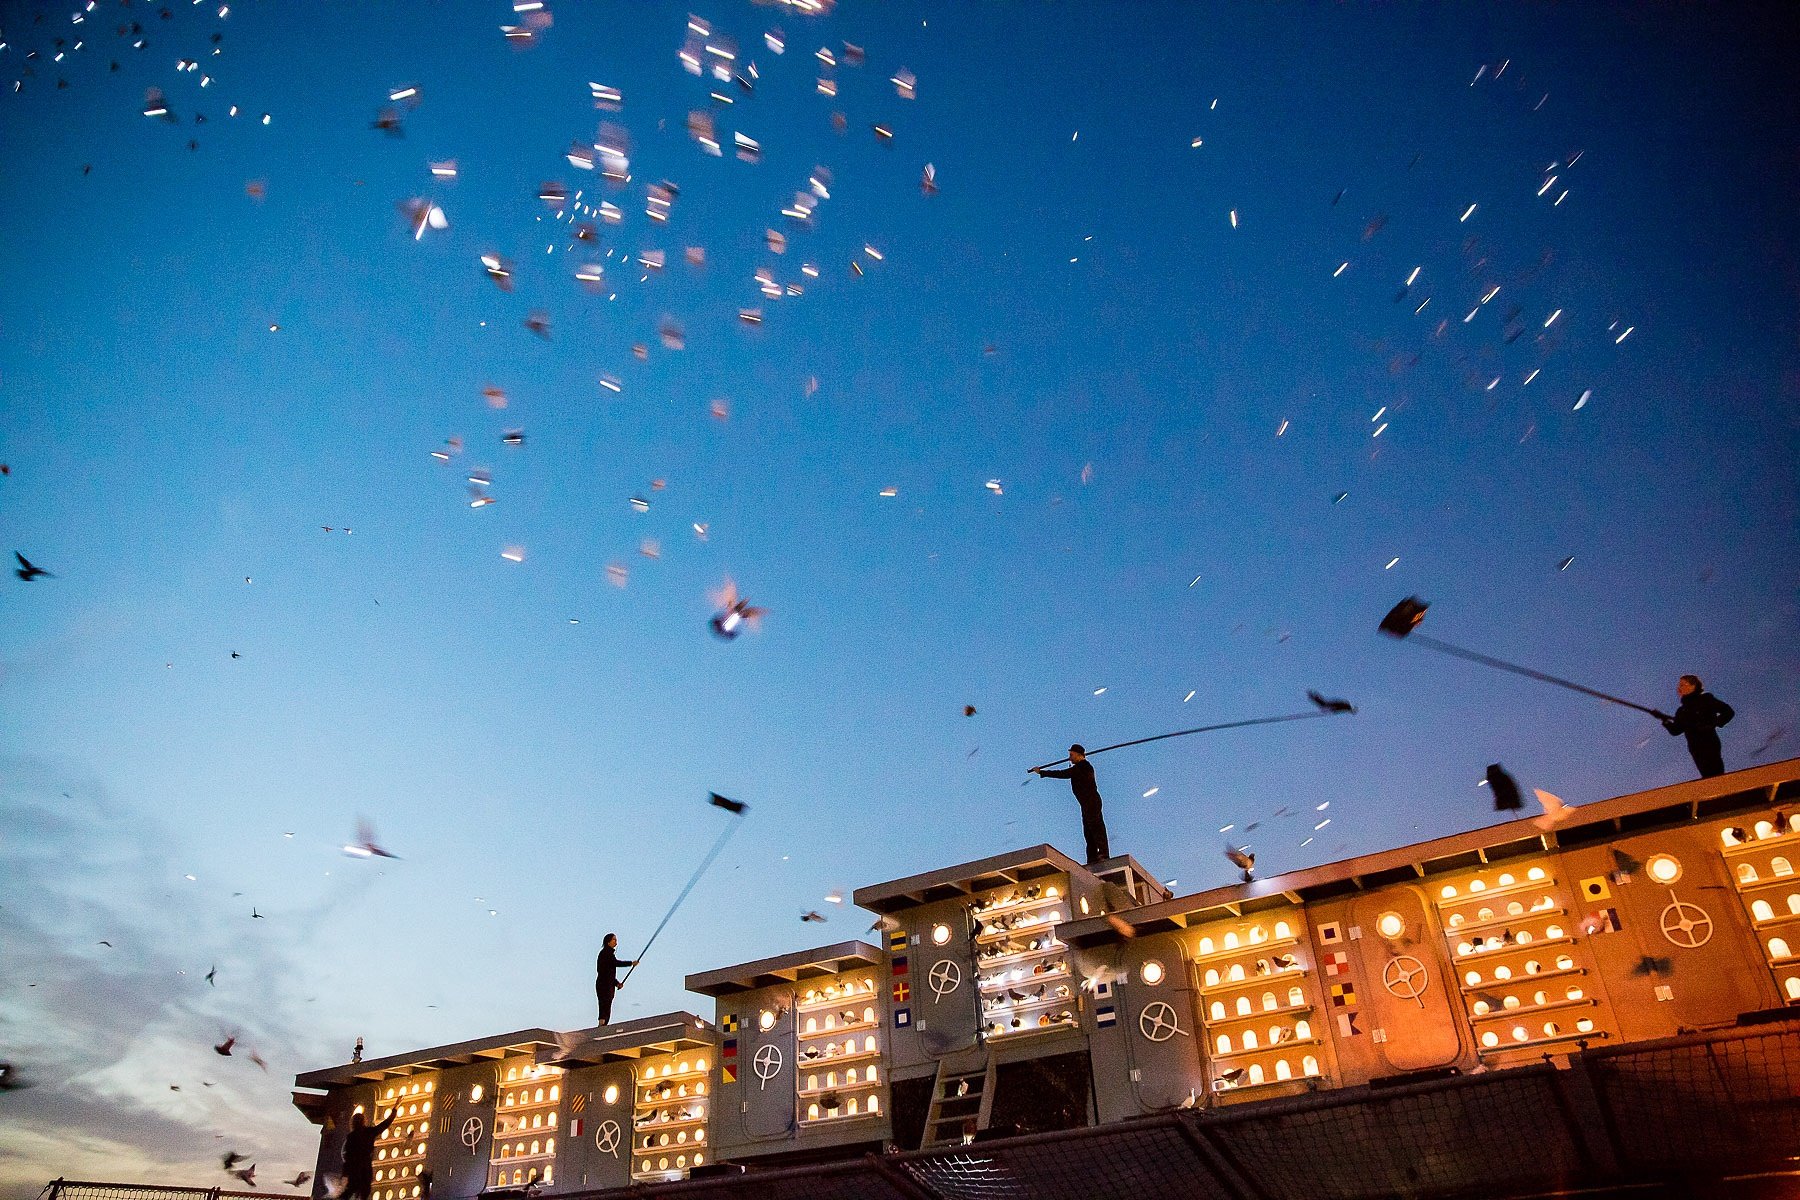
x=1080 y=774
x=606 y=975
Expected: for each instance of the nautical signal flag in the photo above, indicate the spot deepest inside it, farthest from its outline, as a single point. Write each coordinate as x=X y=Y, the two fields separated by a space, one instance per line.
x=1343 y=995
x=1105 y=1015
x=902 y=993
x=1595 y=888
x=897 y=941
x=1337 y=963
x=578 y=1101
x=728 y=1048
x=727 y=1073
x=575 y=1127
x=1347 y=1024
x=902 y=1018
x=898 y=967
x=729 y=1023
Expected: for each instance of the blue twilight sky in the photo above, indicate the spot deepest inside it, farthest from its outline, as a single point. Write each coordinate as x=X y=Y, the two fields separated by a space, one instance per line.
x=1123 y=304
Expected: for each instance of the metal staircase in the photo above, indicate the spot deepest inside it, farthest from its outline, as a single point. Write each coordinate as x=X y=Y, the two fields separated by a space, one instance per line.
x=962 y=1101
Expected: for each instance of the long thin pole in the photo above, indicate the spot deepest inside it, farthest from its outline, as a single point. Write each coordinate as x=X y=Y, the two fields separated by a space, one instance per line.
x=1500 y=664
x=1305 y=716
x=706 y=862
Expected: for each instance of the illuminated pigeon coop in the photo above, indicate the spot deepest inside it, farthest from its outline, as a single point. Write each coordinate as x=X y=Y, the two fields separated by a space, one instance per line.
x=527 y=1109
x=980 y=980
x=401 y=1149
x=671 y=1099
x=1760 y=855
x=452 y=1111
x=640 y=1099
x=802 y=1060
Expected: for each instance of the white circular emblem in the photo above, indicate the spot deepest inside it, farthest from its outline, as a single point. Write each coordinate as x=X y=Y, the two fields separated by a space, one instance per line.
x=945 y=977
x=766 y=1062
x=608 y=1136
x=1406 y=977
x=1686 y=925
x=1158 y=1023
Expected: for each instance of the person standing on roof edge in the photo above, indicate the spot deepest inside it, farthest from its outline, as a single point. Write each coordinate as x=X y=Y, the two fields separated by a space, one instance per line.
x=606 y=975
x=1699 y=717
x=1080 y=774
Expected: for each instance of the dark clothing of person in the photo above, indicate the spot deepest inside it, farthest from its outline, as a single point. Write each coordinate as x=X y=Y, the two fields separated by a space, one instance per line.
x=359 y=1157
x=1699 y=717
x=606 y=980
x=1093 y=826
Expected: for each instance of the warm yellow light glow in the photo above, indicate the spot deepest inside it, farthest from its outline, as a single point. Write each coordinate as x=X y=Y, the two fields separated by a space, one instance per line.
x=1152 y=972
x=940 y=934
x=765 y=1020
x=1390 y=924
x=1664 y=868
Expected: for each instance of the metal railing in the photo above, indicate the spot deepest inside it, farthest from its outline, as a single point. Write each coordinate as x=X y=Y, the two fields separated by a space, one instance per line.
x=88 y=1189
x=1681 y=1112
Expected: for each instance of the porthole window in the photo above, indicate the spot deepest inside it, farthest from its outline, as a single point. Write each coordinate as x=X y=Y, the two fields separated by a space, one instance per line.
x=765 y=1020
x=940 y=934
x=1391 y=924
x=1490 y=1038
x=1152 y=972
x=611 y=1094
x=1663 y=868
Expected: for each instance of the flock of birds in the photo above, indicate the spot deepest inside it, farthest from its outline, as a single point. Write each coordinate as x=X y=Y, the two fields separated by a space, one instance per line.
x=1496 y=355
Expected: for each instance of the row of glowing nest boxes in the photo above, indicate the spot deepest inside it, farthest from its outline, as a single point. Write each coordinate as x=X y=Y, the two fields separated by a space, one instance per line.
x=1489 y=967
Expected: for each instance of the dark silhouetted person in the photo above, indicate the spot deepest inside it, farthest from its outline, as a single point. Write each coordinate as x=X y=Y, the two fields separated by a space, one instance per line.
x=359 y=1155
x=606 y=975
x=1080 y=774
x=1699 y=717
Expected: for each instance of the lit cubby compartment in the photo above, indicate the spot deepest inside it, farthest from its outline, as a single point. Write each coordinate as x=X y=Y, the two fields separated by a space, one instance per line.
x=527 y=1100
x=400 y=1150
x=1257 y=1002
x=669 y=1116
x=1023 y=970
x=838 y=1022
x=1760 y=854
x=1521 y=962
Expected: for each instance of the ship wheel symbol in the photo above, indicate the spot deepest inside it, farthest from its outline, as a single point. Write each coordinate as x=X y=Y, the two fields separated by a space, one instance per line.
x=1406 y=977
x=608 y=1136
x=767 y=1062
x=945 y=978
x=1685 y=925
x=471 y=1134
x=1158 y=1023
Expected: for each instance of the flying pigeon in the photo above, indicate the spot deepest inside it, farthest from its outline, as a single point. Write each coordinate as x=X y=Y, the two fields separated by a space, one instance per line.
x=299 y=1180
x=1327 y=704
x=1505 y=788
x=1243 y=860
x=27 y=571
x=223 y=1049
x=364 y=846
x=735 y=612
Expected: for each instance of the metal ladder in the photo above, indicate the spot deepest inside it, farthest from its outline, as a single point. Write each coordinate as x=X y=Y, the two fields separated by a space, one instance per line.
x=962 y=1101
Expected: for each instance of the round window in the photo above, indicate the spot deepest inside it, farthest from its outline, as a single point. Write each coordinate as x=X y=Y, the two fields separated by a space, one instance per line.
x=766 y=1020
x=1390 y=924
x=1152 y=972
x=611 y=1094
x=940 y=934
x=1664 y=868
